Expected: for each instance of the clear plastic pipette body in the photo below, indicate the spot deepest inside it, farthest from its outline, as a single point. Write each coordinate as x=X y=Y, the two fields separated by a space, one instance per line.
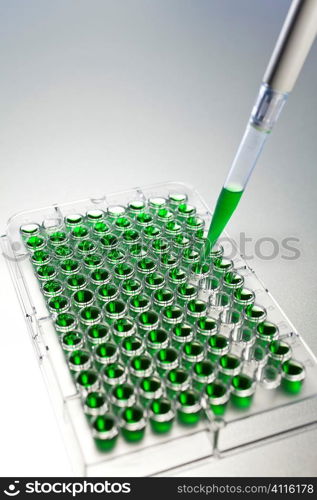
x=264 y=115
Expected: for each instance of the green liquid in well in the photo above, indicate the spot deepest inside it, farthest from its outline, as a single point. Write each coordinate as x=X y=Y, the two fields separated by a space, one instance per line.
x=226 y=205
x=132 y=415
x=104 y=424
x=216 y=390
x=114 y=371
x=95 y=400
x=187 y=399
x=161 y=407
x=87 y=378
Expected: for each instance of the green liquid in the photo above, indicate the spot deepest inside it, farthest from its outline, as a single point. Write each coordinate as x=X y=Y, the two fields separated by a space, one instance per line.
x=87 y=378
x=188 y=399
x=226 y=205
x=132 y=415
x=161 y=407
x=104 y=424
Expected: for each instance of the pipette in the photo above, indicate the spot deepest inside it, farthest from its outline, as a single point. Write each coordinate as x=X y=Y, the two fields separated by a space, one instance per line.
x=294 y=42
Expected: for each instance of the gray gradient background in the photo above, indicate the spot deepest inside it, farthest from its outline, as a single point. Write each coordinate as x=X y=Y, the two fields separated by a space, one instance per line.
x=101 y=95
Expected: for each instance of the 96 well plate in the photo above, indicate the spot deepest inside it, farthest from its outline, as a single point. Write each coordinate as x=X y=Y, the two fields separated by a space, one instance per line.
x=154 y=358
